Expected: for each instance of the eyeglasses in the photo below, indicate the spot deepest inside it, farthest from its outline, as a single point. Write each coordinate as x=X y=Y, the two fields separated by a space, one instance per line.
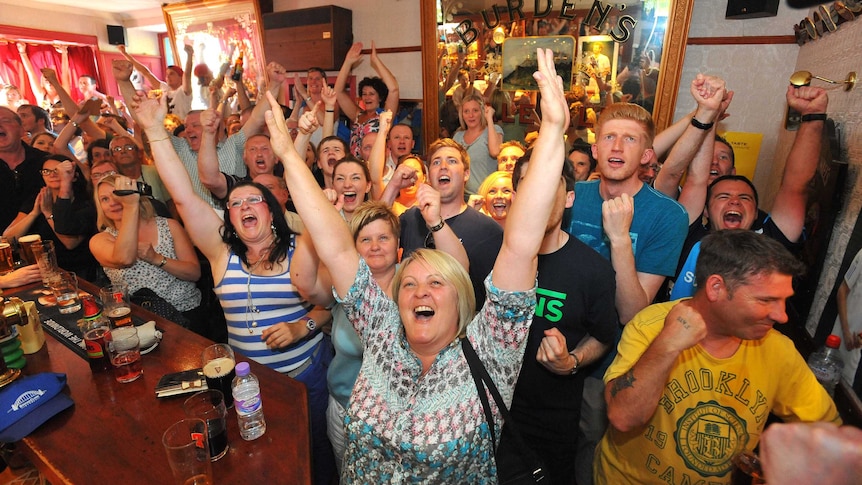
x=49 y=171
x=251 y=200
x=101 y=175
x=128 y=148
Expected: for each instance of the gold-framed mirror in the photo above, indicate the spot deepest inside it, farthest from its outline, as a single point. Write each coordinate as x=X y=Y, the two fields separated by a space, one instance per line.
x=658 y=28
x=211 y=27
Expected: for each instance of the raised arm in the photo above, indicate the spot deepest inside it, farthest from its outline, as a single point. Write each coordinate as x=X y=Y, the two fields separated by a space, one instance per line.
x=693 y=194
x=347 y=105
x=330 y=104
x=709 y=92
x=394 y=97
x=277 y=75
x=208 y=167
x=323 y=223
x=151 y=78
x=65 y=98
x=35 y=86
x=202 y=223
x=187 y=69
x=120 y=251
x=377 y=159
x=495 y=139
x=308 y=275
x=515 y=267
x=788 y=210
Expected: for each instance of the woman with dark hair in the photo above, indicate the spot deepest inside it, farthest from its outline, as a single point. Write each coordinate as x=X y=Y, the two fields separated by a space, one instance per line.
x=142 y=250
x=377 y=94
x=64 y=184
x=250 y=254
x=351 y=184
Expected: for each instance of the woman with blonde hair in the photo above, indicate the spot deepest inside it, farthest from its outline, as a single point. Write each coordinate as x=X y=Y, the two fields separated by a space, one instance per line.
x=143 y=250
x=496 y=192
x=480 y=137
x=414 y=411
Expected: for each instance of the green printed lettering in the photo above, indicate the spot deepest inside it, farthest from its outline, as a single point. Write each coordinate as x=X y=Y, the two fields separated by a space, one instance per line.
x=554 y=311
x=759 y=401
x=706 y=379
x=691 y=380
x=676 y=390
x=723 y=379
x=741 y=391
x=686 y=480
x=666 y=403
x=667 y=476
x=652 y=462
x=553 y=294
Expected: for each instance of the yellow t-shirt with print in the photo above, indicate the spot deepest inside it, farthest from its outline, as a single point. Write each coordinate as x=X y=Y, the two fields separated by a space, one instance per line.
x=710 y=410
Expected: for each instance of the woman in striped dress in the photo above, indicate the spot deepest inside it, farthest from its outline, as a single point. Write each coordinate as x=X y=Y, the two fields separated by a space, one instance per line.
x=250 y=254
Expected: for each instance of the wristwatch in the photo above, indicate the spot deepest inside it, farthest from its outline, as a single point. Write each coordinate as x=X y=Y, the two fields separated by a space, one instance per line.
x=311 y=325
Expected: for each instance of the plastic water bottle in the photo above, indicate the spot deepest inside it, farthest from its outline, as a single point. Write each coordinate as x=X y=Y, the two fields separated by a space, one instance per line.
x=826 y=364
x=249 y=409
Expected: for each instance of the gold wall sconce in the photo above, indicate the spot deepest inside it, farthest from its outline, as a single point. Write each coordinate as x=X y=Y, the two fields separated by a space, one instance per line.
x=803 y=78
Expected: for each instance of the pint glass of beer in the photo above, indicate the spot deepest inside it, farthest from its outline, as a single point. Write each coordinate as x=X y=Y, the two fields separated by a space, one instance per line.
x=115 y=305
x=218 y=364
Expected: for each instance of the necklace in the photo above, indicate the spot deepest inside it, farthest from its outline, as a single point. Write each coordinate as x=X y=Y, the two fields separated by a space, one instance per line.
x=250 y=306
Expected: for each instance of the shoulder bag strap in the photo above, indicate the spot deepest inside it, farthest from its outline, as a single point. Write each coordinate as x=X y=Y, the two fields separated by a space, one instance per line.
x=476 y=367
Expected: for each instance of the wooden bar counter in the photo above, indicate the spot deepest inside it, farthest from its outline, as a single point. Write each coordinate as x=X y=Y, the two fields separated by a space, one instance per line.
x=113 y=433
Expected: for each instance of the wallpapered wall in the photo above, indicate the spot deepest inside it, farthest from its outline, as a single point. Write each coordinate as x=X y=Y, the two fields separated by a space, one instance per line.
x=833 y=56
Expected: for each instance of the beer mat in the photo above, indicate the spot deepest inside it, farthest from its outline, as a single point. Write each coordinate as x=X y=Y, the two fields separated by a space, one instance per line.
x=63 y=327
x=184 y=382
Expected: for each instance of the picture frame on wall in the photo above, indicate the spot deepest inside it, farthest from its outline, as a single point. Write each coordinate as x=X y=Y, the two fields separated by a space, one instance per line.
x=519 y=60
x=598 y=56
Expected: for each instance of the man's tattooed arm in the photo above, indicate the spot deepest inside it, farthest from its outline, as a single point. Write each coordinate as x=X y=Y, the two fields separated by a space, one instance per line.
x=622 y=382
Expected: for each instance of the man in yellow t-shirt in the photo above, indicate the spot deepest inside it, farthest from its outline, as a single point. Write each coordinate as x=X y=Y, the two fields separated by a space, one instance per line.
x=694 y=380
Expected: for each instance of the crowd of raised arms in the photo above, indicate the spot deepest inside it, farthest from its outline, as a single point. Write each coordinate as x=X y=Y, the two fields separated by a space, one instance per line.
x=626 y=318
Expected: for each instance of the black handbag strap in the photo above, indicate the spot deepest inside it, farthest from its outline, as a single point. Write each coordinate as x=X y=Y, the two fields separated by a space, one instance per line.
x=480 y=375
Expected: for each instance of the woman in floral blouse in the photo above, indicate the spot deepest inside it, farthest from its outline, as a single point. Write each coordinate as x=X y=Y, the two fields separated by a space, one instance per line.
x=414 y=415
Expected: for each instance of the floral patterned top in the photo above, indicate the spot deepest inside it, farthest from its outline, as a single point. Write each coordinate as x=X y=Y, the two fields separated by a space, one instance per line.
x=405 y=427
x=360 y=129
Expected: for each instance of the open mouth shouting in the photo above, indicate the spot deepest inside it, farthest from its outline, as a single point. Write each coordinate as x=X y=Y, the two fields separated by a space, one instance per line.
x=733 y=220
x=249 y=220
x=349 y=197
x=423 y=312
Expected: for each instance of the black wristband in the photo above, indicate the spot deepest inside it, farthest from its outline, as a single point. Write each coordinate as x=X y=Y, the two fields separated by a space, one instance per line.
x=813 y=117
x=438 y=226
x=701 y=126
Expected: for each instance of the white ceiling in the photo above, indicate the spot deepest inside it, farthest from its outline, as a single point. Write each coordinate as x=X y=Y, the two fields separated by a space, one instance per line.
x=113 y=6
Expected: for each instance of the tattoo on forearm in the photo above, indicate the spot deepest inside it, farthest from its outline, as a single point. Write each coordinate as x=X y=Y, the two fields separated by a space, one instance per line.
x=683 y=322
x=622 y=382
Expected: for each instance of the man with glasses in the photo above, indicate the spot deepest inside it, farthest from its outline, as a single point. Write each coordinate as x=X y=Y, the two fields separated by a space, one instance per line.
x=129 y=160
x=20 y=179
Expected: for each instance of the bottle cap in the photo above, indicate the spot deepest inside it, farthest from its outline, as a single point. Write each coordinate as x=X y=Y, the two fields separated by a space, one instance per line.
x=833 y=341
x=242 y=369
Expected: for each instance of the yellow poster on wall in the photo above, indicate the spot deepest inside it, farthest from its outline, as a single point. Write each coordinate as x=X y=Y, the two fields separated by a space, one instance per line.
x=746 y=149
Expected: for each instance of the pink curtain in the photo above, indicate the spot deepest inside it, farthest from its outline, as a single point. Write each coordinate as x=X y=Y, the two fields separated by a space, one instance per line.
x=82 y=60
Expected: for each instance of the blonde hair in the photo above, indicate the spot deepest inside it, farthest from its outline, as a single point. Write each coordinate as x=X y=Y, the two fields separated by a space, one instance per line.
x=372 y=211
x=452 y=273
x=479 y=99
x=628 y=111
x=147 y=211
x=490 y=180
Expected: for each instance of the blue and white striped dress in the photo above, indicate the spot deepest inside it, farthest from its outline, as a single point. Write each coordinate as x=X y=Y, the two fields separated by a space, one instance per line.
x=277 y=300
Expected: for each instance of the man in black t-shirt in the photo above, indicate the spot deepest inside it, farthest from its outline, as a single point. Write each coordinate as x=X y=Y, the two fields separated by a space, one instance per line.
x=575 y=324
x=20 y=179
x=482 y=237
